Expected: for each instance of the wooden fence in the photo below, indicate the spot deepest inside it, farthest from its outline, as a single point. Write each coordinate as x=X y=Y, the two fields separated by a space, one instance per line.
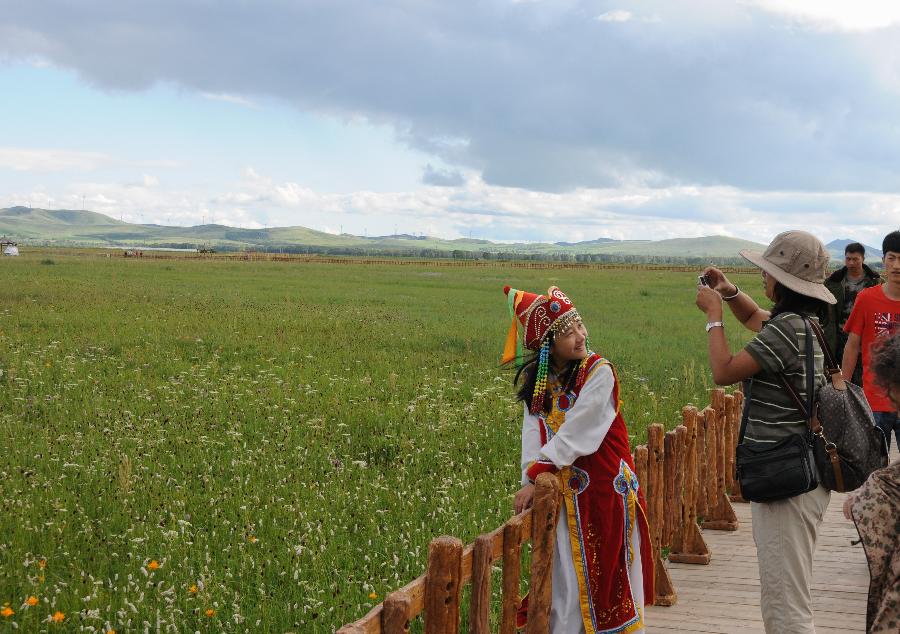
x=253 y=256
x=687 y=476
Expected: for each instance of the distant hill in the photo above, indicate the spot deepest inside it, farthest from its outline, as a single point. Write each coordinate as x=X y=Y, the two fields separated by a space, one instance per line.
x=836 y=249
x=86 y=228
x=586 y=242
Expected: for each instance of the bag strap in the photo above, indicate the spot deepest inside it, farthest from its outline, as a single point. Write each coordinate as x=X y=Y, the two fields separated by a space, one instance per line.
x=810 y=371
x=831 y=365
x=746 y=413
x=814 y=427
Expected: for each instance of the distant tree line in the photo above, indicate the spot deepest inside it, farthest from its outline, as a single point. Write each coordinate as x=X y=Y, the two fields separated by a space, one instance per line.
x=462 y=254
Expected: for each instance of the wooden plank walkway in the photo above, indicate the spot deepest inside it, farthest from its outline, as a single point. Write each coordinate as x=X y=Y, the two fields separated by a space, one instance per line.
x=723 y=597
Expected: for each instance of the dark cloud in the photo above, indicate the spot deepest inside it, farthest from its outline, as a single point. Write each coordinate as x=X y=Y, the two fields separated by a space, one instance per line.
x=442 y=177
x=534 y=95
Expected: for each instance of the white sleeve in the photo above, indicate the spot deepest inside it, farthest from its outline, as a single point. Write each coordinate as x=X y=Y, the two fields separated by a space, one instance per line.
x=531 y=441
x=587 y=423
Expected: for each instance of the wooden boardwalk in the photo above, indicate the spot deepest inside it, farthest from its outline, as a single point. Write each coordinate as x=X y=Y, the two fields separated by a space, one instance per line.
x=723 y=597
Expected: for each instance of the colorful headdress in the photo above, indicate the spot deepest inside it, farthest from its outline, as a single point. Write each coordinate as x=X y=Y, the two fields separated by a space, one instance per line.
x=539 y=315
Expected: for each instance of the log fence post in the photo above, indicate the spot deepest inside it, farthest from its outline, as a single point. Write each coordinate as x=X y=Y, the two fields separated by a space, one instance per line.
x=736 y=433
x=692 y=548
x=442 y=586
x=671 y=500
x=653 y=494
x=708 y=421
x=701 y=466
x=545 y=513
x=512 y=567
x=720 y=515
x=682 y=476
x=480 y=606
x=729 y=442
x=654 y=497
x=395 y=615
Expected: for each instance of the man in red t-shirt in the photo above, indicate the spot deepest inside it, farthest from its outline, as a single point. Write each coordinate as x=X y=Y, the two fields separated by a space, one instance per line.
x=876 y=314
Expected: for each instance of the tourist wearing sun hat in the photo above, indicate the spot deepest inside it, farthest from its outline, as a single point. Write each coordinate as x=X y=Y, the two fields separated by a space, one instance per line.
x=794 y=268
x=572 y=427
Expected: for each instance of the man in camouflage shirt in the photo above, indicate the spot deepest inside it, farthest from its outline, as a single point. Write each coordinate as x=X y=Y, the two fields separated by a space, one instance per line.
x=845 y=284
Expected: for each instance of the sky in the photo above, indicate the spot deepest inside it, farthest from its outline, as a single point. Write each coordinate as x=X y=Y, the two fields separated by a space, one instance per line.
x=506 y=120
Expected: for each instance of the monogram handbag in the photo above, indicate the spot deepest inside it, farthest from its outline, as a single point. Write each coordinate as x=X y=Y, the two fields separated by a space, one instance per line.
x=847 y=445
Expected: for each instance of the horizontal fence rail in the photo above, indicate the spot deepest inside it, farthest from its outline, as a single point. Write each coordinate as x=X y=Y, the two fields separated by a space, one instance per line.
x=687 y=475
x=394 y=261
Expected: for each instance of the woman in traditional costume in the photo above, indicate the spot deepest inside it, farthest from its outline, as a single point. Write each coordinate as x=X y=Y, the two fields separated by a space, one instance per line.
x=573 y=427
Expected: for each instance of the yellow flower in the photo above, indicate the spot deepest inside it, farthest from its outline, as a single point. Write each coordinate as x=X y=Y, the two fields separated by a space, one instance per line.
x=6 y=612
x=32 y=601
x=193 y=588
x=42 y=564
x=110 y=632
x=372 y=595
x=252 y=539
x=210 y=613
x=58 y=617
x=153 y=565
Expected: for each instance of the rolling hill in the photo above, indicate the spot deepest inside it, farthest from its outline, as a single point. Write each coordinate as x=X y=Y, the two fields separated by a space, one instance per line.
x=65 y=227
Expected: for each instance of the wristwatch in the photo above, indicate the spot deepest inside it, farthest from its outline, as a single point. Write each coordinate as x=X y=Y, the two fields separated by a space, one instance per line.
x=714 y=324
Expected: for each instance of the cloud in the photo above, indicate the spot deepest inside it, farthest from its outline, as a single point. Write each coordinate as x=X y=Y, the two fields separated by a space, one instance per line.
x=58 y=160
x=442 y=177
x=861 y=15
x=50 y=160
x=234 y=99
x=488 y=211
x=533 y=95
x=617 y=15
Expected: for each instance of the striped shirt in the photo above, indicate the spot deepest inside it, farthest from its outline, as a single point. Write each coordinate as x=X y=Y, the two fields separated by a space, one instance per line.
x=780 y=347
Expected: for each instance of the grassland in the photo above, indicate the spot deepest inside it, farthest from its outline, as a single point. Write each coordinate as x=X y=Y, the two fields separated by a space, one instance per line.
x=230 y=446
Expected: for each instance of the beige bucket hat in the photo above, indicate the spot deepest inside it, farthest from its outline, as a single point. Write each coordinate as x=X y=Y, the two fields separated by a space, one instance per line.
x=798 y=260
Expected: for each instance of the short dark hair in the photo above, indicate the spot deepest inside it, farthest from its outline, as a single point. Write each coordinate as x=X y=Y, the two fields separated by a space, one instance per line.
x=891 y=242
x=885 y=363
x=790 y=301
x=855 y=247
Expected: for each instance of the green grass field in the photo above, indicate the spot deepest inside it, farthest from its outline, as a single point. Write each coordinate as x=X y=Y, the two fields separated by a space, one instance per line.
x=229 y=446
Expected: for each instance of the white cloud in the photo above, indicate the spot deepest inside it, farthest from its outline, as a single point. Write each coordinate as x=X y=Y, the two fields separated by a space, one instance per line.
x=858 y=15
x=58 y=160
x=617 y=15
x=235 y=99
x=497 y=213
x=50 y=160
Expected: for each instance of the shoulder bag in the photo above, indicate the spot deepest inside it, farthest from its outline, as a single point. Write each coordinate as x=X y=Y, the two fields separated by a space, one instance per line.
x=776 y=471
x=848 y=446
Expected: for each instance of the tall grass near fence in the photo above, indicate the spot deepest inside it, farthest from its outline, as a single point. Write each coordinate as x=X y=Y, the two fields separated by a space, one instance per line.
x=226 y=445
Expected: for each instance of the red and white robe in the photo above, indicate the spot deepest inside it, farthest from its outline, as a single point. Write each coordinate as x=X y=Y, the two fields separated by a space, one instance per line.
x=602 y=565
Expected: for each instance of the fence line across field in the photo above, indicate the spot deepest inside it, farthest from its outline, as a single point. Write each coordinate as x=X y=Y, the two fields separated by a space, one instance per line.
x=687 y=476
x=403 y=261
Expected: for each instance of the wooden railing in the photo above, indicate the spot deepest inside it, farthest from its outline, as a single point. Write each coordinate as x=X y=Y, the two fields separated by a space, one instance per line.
x=437 y=593
x=687 y=476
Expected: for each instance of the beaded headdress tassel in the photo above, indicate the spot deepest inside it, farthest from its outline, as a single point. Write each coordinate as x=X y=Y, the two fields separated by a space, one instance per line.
x=540 y=380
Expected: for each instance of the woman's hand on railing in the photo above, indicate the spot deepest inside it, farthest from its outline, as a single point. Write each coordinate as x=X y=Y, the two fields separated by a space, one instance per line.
x=524 y=498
